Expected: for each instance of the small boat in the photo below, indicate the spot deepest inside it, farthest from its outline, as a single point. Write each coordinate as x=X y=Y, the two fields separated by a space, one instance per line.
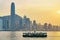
x=41 y=34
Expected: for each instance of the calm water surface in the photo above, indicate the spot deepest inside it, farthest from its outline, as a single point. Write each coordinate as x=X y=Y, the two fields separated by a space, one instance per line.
x=8 y=35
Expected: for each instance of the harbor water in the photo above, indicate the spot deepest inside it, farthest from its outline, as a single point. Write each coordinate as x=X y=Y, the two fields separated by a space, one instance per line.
x=17 y=35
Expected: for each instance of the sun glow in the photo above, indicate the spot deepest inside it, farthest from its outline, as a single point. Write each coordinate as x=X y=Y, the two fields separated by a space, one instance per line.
x=58 y=11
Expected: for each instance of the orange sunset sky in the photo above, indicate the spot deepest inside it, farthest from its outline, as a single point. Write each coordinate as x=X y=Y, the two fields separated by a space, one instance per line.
x=40 y=10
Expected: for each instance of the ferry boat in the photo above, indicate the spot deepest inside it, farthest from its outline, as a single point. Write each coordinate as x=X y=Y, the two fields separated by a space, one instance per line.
x=41 y=34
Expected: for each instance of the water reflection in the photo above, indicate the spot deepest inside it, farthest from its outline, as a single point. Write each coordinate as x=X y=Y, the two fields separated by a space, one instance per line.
x=13 y=35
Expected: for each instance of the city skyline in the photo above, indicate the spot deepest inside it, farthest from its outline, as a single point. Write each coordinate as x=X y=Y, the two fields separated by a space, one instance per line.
x=45 y=11
x=15 y=22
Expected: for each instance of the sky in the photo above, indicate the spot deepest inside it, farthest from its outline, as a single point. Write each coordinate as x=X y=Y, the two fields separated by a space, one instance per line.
x=43 y=11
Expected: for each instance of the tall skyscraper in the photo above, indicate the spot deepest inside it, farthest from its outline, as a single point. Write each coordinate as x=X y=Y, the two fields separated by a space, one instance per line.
x=12 y=16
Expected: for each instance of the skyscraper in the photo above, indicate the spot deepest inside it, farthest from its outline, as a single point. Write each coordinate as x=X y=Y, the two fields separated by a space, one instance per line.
x=34 y=26
x=12 y=16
